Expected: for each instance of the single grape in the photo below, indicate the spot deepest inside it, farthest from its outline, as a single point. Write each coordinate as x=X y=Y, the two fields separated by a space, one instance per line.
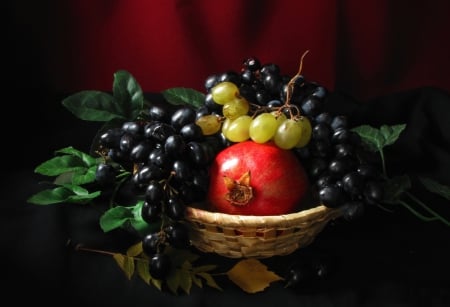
x=223 y=92
x=263 y=127
x=150 y=212
x=288 y=134
x=183 y=116
x=236 y=107
x=105 y=174
x=238 y=130
x=177 y=235
x=209 y=124
x=159 y=266
x=152 y=244
x=306 y=134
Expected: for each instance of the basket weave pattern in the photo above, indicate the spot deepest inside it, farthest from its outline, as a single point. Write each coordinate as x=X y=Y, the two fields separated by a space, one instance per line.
x=240 y=236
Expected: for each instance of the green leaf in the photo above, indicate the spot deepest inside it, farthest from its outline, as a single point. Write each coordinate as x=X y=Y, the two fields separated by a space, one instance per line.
x=50 y=196
x=125 y=263
x=115 y=218
x=391 y=133
x=184 y=96
x=93 y=106
x=59 y=165
x=395 y=187
x=377 y=139
x=127 y=95
x=436 y=187
x=87 y=176
x=138 y=223
x=87 y=159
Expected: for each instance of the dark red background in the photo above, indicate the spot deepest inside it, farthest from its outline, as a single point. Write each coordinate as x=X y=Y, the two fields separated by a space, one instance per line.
x=364 y=48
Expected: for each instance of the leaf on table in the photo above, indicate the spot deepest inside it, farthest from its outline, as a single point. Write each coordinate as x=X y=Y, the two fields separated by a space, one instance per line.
x=436 y=187
x=251 y=275
x=125 y=263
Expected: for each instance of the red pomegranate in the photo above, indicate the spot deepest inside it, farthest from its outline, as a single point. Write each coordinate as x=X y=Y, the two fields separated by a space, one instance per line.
x=249 y=178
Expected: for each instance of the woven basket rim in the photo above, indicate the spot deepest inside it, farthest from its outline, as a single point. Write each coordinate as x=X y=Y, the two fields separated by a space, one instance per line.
x=283 y=220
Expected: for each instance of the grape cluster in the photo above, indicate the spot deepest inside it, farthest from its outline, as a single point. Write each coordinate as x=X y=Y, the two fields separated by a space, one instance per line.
x=164 y=156
x=262 y=104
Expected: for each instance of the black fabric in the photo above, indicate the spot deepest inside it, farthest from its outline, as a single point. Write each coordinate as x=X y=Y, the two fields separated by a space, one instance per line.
x=383 y=259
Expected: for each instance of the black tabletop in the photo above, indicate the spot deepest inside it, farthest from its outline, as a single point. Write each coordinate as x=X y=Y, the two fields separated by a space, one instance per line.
x=383 y=259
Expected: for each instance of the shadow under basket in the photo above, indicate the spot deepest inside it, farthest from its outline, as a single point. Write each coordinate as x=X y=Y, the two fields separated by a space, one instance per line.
x=243 y=236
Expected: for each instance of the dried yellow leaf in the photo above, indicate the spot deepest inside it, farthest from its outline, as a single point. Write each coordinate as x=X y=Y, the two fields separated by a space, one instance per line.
x=251 y=275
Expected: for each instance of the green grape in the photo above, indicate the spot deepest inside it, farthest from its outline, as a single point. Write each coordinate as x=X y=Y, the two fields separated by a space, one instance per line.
x=288 y=134
x=223 y=92
x=263 y=127
x=235 y=108
x=281 y=117
x=225 y=126
x=238 y=130
x=210 y=124
x=305 y=137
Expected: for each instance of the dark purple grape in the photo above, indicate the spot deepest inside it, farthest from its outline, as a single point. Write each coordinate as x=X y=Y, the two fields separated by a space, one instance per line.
x=111 y=138
x=148 y=173
x=272 y=83
x=341 y=135
x=158 y=131
x=155 y=192
x=311 y=106
x=331 y=196
x=353 y=183
x=196 y=153
x=252 y=64
x=247 y=77
x=316 y=167
x=269 y=69
x=324 y=118
x=373 y=192
x=127 y=142
x=191 y=132
x=182 y=170
x=105 y=174
x=159 y=266
x=344 y=150
x=133 y=128
x=368 y=171
x=325 y=180
x=263 y=97
x=175 y=146
x=177 y=235
x=175 y=208
x=151 y=212
x=212 y=106
x=182 y=116
x=339 y=167
x=230 y=76
x=211 y=81
x=160 y=158
x=319 y=92
x=140 y=152
x=152 y=244
x=321 y=131
x=339 y=122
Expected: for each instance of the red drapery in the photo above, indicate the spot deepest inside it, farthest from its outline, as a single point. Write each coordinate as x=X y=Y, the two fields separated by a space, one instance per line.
x=364 y=48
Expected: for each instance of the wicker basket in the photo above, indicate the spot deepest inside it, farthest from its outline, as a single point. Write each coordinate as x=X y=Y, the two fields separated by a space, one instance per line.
x=240 y=236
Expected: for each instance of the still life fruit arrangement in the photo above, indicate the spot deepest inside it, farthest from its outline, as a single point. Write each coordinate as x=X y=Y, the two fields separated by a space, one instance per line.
x=253 y=167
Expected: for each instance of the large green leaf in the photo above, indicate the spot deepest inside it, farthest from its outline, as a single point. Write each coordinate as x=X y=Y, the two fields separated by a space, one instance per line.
x=93 y=106
x=63 y=194
x=436 y=187
x=127 y=94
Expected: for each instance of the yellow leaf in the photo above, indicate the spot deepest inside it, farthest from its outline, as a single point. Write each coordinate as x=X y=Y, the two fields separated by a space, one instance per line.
x=135 y=250
x=125 y=263
x=142 y=270
x=251 y=275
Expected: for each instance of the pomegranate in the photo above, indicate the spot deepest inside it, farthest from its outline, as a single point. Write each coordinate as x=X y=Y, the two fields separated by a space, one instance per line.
x=250 y=178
